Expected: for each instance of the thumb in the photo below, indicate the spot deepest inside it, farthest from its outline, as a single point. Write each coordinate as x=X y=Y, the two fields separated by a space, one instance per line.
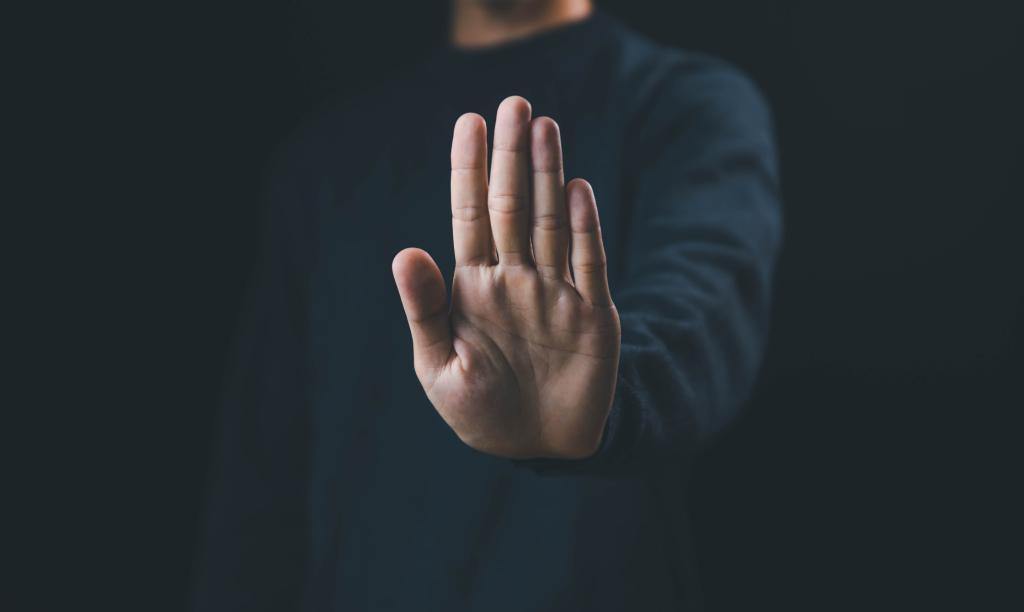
x=425 y=300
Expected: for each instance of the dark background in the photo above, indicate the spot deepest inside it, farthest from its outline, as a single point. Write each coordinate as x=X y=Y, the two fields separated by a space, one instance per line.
x=875 y=465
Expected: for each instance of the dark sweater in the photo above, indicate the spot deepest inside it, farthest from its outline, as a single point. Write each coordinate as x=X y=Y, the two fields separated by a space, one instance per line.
x=338 y=487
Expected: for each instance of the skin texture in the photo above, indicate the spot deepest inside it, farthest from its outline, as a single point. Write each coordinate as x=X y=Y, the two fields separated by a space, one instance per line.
x=522 y=361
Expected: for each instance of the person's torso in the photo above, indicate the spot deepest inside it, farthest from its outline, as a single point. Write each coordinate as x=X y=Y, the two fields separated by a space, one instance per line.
x=403 y=515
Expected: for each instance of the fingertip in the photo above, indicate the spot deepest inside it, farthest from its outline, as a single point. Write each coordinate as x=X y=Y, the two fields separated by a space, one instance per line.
x=581 y=187
x=401 y=264
x=515 y=109
x=582 y=205
x=470 y=123
x=423 y=295
x=546 y=147
x=409 y=266
x=544 y=128
x=469 y=142
x=511 y=126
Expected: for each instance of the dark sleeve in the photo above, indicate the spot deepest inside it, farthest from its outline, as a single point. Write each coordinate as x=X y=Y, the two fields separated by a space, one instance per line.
x=251 y=545
x=694 y=285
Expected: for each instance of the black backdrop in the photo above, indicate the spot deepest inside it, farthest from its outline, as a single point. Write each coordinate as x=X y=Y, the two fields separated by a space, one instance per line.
x=874 y=465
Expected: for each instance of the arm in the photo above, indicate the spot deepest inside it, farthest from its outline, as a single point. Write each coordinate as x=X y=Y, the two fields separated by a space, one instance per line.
x=527 y=361
x=695 y=287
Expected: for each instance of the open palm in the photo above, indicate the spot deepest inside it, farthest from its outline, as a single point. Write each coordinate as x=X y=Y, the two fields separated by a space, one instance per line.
x=522 y=362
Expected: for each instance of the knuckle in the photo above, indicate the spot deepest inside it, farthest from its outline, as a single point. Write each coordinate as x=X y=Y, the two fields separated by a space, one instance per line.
x=590 y=266
x=507 y=202
x=549 y=221
x=469 y=213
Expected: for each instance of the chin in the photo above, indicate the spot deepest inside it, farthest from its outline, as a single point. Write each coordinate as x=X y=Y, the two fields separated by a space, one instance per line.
x=506 y=5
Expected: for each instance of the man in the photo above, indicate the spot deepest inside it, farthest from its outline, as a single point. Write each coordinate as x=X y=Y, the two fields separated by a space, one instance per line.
x=595 y=331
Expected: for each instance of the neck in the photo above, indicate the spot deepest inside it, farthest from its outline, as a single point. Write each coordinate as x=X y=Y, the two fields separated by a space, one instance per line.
x=485 y=23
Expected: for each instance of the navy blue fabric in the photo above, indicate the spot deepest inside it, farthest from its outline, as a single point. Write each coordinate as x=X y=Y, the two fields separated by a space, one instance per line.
x=337 y=487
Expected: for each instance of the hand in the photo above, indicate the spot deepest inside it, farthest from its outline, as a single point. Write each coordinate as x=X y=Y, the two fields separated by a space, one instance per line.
x=523 y=363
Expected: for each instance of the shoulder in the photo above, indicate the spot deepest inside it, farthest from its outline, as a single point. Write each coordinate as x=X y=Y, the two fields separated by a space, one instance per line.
x=658 y=73
x=669 y=93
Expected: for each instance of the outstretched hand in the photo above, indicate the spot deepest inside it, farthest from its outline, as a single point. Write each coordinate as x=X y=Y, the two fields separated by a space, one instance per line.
x=523 y=361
